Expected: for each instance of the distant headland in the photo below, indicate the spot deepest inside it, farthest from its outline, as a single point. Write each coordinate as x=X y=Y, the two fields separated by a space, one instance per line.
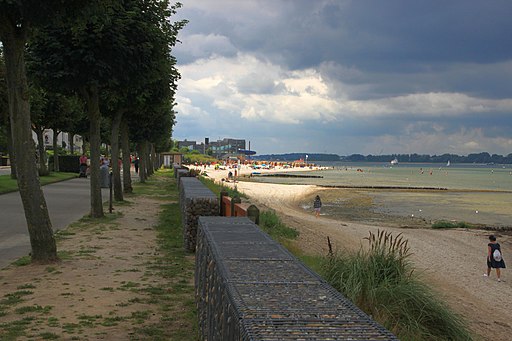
x=483 y=157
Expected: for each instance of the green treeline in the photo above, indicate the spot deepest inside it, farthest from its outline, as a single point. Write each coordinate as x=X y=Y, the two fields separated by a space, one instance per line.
x=483 y=157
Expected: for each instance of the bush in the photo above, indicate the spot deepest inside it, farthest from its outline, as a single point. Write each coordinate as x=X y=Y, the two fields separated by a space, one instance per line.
x=381 y=281
x=443 y=224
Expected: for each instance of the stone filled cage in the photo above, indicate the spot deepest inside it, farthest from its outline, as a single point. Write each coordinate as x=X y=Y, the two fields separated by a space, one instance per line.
x=248 y=287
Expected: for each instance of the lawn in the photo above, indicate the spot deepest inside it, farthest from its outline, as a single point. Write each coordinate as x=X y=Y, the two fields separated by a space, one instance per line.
x=10 y=185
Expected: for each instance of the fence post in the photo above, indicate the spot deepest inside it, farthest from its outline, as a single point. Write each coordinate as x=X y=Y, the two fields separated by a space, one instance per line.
x=253 y=213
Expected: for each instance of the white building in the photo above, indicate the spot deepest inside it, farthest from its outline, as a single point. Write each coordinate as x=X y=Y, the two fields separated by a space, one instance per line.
x=62 y=140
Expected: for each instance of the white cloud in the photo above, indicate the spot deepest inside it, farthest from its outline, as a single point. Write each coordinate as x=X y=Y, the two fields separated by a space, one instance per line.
x=255 y=89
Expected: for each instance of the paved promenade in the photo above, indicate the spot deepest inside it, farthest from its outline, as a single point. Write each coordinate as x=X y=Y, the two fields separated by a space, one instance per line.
x=67 y=202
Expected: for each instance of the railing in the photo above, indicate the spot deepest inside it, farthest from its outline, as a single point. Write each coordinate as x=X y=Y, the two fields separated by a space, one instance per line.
x=248 y=287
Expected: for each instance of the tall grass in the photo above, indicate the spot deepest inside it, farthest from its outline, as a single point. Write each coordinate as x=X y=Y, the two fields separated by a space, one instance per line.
x=270 y=223
x=381 y=281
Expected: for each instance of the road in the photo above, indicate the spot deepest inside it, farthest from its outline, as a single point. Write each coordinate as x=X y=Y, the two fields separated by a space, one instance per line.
x=67 y=202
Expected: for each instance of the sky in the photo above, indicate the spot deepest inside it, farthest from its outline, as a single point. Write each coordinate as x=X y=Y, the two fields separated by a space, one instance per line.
x=346 y=77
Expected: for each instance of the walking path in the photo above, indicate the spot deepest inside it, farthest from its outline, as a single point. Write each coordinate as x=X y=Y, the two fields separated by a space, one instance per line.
x=67 y=202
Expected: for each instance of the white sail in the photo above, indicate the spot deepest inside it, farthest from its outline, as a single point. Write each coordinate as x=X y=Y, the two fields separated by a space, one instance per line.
x=448 y=163
x=394 y=161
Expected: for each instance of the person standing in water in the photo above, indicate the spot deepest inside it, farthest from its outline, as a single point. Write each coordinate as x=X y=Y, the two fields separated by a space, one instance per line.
x=317 y=205
x=494 y=258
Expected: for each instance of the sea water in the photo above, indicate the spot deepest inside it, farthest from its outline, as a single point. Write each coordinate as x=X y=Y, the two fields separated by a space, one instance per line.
x=473 y=193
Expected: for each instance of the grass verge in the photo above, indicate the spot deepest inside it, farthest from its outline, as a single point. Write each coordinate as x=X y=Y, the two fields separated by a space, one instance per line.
x=11 y=185
x=175 y=298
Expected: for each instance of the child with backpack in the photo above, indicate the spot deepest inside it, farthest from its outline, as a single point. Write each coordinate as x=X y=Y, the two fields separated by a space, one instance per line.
x=494 y=258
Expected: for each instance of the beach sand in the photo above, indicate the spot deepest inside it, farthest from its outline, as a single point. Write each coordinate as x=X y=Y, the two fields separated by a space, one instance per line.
x=451 y=261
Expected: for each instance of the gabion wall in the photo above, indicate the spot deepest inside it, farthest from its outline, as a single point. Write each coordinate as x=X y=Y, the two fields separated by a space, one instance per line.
x=248 y=287
x=195 y=200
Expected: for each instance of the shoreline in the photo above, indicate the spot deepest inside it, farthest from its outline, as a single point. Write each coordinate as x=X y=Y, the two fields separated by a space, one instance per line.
x=451 y=261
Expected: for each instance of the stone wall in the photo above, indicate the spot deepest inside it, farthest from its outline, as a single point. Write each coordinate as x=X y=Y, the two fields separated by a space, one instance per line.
x=195 y=200
x=248 y=287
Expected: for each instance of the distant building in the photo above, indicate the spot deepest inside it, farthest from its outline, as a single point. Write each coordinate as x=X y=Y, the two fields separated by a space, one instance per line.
x=218 y=148
x=191 y=145
x=226 y=146
x=62 y=140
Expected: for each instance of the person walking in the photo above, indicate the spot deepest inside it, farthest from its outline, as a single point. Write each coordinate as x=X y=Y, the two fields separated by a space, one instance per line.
x=494 y=258
x=136 y=164
x=317 y=205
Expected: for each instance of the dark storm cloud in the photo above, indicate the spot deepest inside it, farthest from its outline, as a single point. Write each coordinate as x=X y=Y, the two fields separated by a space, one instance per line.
x=412 y=74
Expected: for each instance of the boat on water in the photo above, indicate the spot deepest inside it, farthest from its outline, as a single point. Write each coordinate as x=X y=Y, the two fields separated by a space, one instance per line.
x=394 y=161
x=448 y=163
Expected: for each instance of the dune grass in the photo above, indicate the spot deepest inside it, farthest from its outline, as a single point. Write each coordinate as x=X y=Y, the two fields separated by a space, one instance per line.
x=11 y=185
x=271 y=223
x=382 y=282
x=443 y=224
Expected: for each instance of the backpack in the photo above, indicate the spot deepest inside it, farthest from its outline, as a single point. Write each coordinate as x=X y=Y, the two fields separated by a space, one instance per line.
x=496 y=255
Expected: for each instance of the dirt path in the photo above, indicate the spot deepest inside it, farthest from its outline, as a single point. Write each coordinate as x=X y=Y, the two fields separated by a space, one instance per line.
x=103 y=289
x=452 y=261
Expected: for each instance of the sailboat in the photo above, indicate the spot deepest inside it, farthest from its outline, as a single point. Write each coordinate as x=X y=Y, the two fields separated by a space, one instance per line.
x=394 y=161
x=448 y=163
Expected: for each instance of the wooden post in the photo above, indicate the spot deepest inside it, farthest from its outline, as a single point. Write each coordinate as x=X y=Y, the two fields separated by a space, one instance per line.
x=253 y=213
x=235 y=200
x=223 y=194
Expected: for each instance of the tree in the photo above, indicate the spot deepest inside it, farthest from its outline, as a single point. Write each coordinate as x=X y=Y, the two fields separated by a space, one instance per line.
x=83 y=55
x=17 y=19
x=38 y=101
x=151 y=36
x=93 y=56
x=4 y=109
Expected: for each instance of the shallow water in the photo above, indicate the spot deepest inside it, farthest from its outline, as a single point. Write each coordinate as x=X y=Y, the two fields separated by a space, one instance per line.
x=478 y=194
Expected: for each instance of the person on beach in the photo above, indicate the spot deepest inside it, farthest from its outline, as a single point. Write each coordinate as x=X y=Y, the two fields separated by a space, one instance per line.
x=317 y=205
x=494 y=260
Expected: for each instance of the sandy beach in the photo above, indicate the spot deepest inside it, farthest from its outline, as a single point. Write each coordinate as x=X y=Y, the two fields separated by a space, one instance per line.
x=451 y=261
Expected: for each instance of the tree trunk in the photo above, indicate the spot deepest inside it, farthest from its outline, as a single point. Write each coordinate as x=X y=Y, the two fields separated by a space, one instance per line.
x=127 y=166
x=91 y=97
x=42 y=241
x=155 y=164
x=55 y=150
x=84 y=146
x=142 y=161
x=10 y=149
x=116 y=171
x=149 y=160
x=43 y=168
x=71 y=142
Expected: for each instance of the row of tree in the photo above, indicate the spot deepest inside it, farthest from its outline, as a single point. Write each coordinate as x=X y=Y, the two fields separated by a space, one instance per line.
x=79 y=66
x=483 y=157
